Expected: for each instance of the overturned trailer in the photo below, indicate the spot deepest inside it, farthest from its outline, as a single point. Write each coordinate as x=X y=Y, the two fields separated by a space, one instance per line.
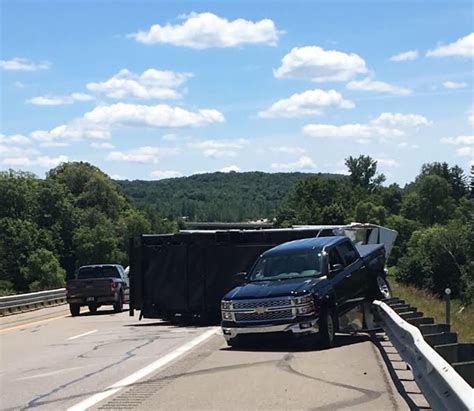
x=186 y=274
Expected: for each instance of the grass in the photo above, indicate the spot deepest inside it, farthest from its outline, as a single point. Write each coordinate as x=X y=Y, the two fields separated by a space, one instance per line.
x=462 y=318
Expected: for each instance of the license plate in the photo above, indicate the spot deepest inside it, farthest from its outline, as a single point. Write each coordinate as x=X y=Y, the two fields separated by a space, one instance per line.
x=90 y=299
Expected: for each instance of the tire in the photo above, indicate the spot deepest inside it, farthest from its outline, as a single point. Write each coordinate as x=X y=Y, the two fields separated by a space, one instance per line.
x=118 y=306
x=93 y=308
x=75 y=309
x=327 y=328
x=235 y=342
x=382 y=288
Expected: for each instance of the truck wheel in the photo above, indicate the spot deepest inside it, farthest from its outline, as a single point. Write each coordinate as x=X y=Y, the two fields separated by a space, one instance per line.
x=118 y=306
x=93 y=308
x=383 y=289
x=75 y=309
x=235 y=342
x=327 y=328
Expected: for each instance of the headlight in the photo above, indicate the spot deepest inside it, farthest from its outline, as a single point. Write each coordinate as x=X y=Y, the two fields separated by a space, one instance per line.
x=226 y=315
x=226 y=305
x=305 y=299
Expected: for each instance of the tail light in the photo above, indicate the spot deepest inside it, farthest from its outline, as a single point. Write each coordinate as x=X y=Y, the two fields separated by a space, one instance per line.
x=113 y=285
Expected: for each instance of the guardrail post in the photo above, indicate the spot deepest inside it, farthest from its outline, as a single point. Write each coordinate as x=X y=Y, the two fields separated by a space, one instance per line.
x=447 y=297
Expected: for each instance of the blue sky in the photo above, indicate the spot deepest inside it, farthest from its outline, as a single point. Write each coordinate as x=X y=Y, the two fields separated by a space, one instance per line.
x=148 y=90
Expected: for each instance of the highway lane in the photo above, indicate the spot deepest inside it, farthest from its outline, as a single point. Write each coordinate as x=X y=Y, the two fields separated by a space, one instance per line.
x=50 y=360
x=275 y=376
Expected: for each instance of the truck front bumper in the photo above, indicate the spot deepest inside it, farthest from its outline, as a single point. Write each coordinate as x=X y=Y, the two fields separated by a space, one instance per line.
x=298 y=328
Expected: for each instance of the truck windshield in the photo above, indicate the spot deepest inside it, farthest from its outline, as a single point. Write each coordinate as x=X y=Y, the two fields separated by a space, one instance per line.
x=285 y=266
x=97 y=272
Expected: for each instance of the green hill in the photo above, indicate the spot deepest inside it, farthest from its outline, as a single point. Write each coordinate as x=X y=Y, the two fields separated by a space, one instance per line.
x=216 y=196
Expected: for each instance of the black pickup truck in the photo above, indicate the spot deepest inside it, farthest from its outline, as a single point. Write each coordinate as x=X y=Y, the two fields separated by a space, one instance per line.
x=303 y=287
x=96 y=285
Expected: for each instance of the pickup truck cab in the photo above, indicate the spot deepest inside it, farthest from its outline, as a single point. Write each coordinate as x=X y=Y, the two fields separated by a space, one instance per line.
x=302 y=287
x=96 y=285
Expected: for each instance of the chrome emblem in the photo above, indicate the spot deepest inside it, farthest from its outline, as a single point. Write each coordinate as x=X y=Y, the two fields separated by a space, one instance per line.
x=260 y=310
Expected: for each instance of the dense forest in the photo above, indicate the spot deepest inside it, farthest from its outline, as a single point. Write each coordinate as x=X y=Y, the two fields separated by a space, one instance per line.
x=229 y=197
x=78 y=215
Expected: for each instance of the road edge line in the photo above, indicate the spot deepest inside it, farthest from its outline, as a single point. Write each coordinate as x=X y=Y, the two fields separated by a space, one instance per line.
x=142 y=373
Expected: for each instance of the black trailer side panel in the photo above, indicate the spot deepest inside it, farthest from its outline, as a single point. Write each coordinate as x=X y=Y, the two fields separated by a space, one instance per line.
x=165 y=277
x=188 y=273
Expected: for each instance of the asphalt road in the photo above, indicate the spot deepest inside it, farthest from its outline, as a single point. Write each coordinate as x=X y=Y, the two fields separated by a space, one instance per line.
x=52 y=361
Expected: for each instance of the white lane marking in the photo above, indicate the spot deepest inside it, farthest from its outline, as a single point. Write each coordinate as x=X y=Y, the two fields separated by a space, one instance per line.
x=47 y=374
x=138 y=375
x=82 y=335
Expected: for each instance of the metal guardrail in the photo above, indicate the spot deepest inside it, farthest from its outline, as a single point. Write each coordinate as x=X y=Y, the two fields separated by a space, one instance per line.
x=441 y=385
x=13 y=304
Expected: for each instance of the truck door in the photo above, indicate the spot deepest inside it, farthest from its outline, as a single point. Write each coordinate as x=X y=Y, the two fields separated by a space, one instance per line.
x=341 y=284
x=355 y=272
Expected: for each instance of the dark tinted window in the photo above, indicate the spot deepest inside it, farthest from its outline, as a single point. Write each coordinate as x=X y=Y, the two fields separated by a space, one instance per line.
x=97 y=272
x=288 y=265
x=334 y=258
x=348 y=252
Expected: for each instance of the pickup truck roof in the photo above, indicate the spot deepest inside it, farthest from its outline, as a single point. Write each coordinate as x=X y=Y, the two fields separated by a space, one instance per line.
x=306 y=244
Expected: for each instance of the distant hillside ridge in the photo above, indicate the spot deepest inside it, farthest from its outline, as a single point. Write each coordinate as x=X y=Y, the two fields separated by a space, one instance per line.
x=229 y=197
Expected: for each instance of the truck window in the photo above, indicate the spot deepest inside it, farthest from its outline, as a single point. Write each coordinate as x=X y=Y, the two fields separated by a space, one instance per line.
x=348 y=252
x=288 y=265
x=97 y=272
x=334 y=258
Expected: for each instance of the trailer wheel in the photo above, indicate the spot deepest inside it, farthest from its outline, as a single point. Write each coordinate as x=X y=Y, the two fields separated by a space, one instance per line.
x=327 y=328
x=75 y=309
x=118 y=306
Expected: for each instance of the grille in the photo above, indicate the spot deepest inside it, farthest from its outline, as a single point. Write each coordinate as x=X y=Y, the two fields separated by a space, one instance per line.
x=271 y=315
x=260 y=303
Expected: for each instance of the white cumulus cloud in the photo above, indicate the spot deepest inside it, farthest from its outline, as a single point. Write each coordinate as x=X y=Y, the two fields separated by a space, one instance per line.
x=288 y=150
x=220 y=148
x=100 y=121
x=18 y=139
x=22 y=64
x=310 y=102
x=453 y=85
x=205 y=30
x=102 y=146
x=40 y=161
x=385 y=125
x=465 y=152
x=458 y=140
x=60 y=100
x=303 y=163
x=160 y=115
x=368 y=84
x=151 y=84
x=463 y=47
x=405 y=56
x=162 y=174
x=147 y=154
x=316 y=64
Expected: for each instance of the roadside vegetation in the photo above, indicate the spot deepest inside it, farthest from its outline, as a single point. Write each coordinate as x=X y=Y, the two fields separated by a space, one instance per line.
x=462 y=316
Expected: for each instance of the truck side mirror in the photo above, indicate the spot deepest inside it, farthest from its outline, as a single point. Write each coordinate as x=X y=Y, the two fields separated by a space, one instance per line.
x=240 y=278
